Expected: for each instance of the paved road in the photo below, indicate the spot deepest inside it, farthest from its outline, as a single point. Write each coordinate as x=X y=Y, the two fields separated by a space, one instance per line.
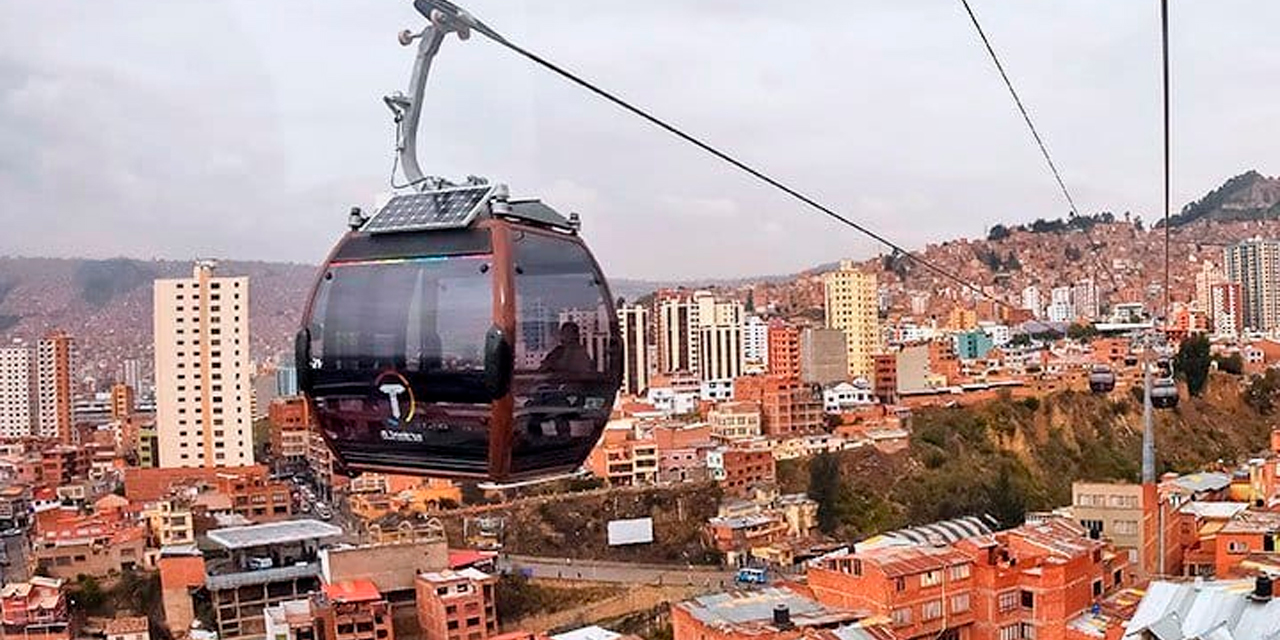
x=619 y=572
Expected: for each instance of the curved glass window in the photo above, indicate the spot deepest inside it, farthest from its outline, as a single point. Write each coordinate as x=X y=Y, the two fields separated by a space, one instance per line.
x=426 y=318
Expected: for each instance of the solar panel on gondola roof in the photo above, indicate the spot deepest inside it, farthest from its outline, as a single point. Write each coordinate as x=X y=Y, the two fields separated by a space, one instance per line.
x=452 y=208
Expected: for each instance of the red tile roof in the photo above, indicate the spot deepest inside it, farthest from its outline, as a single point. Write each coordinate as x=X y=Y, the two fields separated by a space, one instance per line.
x=462 y=558
x=362 y=590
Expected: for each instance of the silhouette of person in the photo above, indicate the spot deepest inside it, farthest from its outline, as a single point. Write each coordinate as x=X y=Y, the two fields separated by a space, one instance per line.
x=569 y=356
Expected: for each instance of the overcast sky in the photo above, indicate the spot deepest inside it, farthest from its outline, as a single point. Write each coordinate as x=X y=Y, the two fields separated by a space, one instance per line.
x=246 y=129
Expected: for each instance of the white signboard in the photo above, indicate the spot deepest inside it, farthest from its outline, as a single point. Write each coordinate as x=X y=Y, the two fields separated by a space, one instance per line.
x=637 y=531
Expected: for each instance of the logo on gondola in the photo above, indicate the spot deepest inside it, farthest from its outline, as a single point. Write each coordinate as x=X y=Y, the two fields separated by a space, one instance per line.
x=399 y=395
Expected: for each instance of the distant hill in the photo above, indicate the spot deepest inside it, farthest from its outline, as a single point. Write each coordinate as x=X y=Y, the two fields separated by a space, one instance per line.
x=106 y=304
x=1248 y=196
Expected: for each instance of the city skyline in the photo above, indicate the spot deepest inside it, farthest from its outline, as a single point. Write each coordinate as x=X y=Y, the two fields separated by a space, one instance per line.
x=321 y=145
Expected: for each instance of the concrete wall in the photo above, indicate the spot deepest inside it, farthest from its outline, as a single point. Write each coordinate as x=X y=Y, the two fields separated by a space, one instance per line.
x=392 y=566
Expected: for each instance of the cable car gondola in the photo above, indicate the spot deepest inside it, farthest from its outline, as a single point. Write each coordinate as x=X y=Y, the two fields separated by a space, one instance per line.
x=458 y=332
x=1101 y=379
x=1164 y=390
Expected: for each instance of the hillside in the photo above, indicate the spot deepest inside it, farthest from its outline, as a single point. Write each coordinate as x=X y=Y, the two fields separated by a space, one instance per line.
x=107 y=306
x=1248 y=196
x=1003 y=456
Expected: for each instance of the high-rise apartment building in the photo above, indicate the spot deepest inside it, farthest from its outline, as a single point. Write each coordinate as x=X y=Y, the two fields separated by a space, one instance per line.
x=784 y=349
x=54 y=366
x=1255 y=266
x=633 y=321
x=131 y=374
x=1208 y=275
x=1226 y=309
x=755 y=340
x=16 y=391
x=719 y=338
x=850 y=304
x=1084 y=299
x=122 y=400
x=677 y=334
x=203 y=388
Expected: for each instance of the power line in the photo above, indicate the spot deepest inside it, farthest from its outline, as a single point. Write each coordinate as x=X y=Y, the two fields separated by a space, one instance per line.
x=425 y=6
x=1035 y=133
x=1021 y=108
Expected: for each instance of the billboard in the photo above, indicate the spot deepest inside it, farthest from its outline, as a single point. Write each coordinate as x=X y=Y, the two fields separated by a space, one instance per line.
x=636 y=531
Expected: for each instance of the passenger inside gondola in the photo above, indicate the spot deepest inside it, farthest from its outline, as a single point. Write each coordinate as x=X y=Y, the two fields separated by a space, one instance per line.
x=570 y=356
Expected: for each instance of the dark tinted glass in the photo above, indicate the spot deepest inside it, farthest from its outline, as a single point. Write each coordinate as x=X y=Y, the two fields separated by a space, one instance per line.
x=397 y=356
x=565 y=338
x=423 y=315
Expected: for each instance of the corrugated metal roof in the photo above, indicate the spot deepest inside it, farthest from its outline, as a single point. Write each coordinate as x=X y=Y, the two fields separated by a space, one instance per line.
x=1207 y=481
x=1214 y=610
x=592 y=632
x=754 y=609
x=261 y=535
x=946 y=531
x=1214 y=510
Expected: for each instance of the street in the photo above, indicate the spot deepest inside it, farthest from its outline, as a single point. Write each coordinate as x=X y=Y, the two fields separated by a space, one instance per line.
x=617 y=572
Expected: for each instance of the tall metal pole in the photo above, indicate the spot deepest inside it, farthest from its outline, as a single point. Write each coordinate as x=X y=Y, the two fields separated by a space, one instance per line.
x=1148 y=428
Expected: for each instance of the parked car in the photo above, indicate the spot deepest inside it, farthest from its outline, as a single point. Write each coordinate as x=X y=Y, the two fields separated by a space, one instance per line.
x=751 y=575
x=258 y=564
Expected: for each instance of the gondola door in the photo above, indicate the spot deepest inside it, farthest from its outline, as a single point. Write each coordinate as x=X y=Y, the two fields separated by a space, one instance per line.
x=567 y=360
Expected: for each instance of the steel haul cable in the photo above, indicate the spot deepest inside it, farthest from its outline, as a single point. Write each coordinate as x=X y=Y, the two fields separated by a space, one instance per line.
x=425 y=7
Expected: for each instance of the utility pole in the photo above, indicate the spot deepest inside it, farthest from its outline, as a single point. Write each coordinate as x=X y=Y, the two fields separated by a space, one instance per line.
x=1148 y=428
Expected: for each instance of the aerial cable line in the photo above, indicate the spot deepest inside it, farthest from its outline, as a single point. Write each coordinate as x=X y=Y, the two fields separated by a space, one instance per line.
x=1035 y=133
x=1164 y=50
x=449 y=9
x=1021 y=108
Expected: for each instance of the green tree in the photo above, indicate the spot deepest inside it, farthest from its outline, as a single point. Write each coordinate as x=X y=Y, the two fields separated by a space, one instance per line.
x=1007 y=500
x=1233 y=364
x=1261 y=392
x=825 y=489
x=1192 y=362
x=89 y=595
x=1081 y=332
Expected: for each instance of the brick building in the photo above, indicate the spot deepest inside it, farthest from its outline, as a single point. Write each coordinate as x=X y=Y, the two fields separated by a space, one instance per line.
x=34 y=609
x=457 y=605
x=1022 y=583
x=784 y=349
x=289 y=426
x=95 y=545
x=738 y=469
x=63 y=464
x=787 y=406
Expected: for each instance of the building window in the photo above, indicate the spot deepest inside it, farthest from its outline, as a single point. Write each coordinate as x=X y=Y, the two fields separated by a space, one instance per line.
x=901 y=617
x=960 y=603
x=1237 y=547
x=1028 y=631
x=1009 y=633
x=1008 y=601
x=1126 y=527
x=900 y=584
x=1028 y=600
x=931 y=610
x=930 y=578
x=960 y=572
